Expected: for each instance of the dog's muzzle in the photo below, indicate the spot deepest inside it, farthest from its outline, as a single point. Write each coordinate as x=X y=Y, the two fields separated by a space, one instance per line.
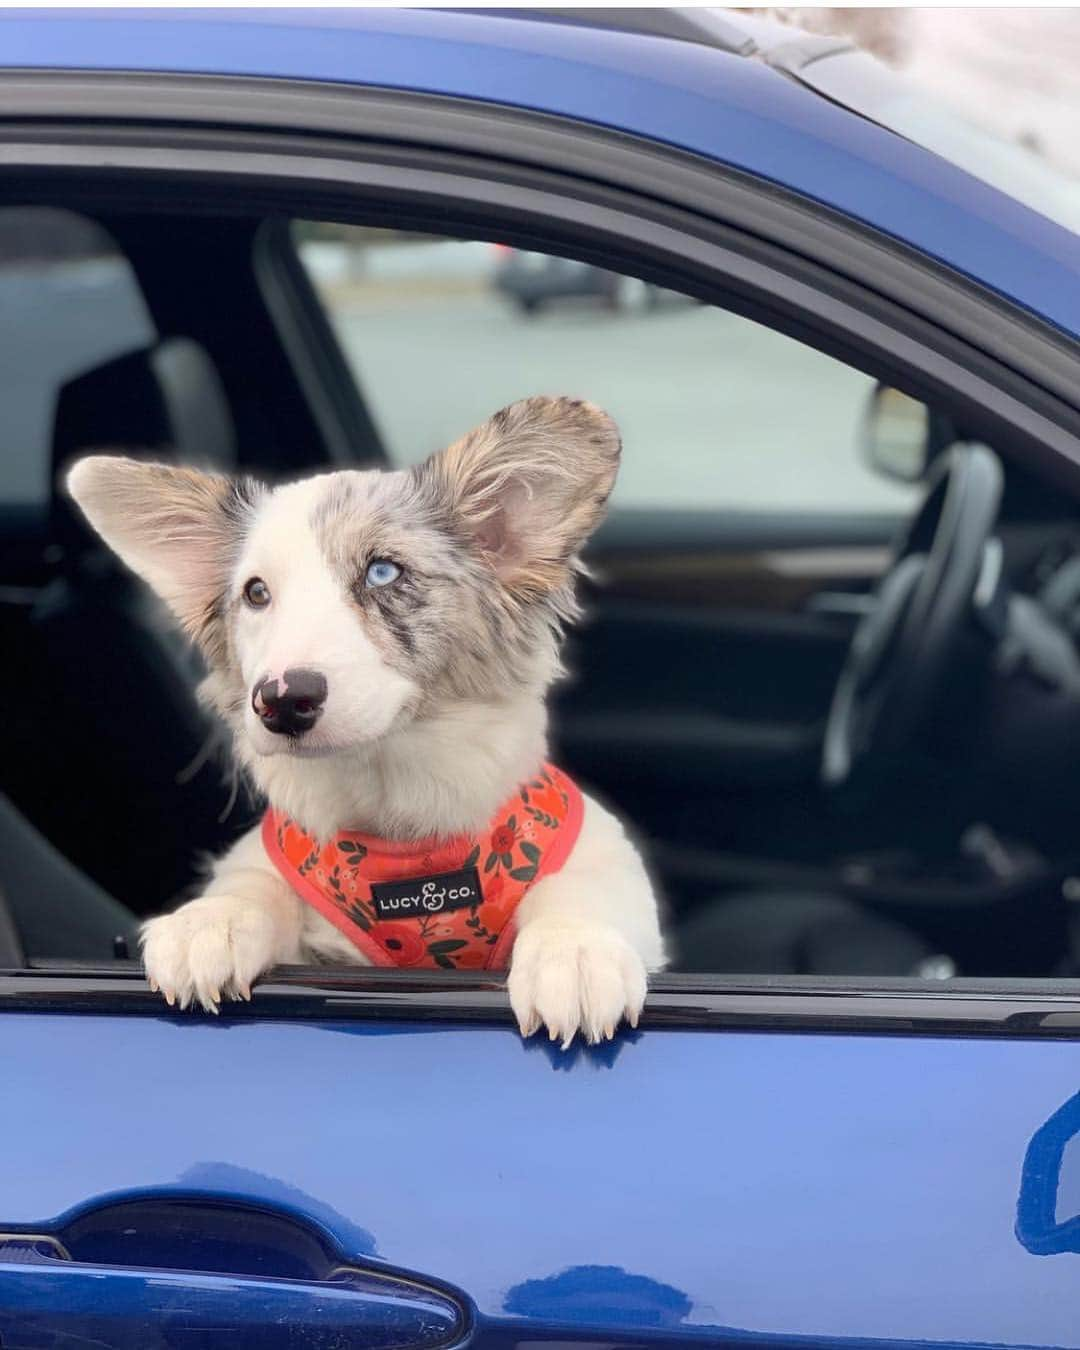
x=291 y=705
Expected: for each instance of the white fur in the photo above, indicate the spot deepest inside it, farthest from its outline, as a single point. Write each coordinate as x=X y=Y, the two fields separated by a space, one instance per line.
x=309 y=623
x=379 y=759
x=586 y=936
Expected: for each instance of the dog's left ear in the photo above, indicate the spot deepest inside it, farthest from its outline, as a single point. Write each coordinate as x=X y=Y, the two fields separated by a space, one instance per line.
x=179 y=529
x=530 y=485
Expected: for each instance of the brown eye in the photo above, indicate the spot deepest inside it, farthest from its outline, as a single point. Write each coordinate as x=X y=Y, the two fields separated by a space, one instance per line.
x=257 y=593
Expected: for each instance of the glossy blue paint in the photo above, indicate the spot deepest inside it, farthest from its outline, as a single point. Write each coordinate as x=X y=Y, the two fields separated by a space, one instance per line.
x=723 y=107
x=697 y=1186
x=80 y=1304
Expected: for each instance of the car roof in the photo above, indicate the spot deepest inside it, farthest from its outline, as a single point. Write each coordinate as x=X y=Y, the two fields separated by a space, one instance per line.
x=697 y=96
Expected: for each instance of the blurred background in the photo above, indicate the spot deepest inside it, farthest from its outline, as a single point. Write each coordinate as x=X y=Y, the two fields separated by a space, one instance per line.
x=1013 y=71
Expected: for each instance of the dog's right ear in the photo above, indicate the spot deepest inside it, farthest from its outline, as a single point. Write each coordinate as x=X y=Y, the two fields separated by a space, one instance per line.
x=179 y=529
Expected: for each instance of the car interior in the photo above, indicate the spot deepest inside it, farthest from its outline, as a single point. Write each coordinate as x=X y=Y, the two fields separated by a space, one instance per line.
x=828 y=673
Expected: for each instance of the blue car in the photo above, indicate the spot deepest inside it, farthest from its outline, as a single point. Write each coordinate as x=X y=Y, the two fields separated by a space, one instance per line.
x=830 y=674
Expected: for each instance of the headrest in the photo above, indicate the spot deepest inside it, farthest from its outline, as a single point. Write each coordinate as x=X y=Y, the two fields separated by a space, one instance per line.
x=161 y=402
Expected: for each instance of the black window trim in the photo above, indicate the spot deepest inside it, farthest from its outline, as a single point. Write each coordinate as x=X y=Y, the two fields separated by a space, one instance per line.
x=661 y=244
x=1030 y=1009
x=663 y=241
x=92 y=101
x=551 y=183
x=343 y=417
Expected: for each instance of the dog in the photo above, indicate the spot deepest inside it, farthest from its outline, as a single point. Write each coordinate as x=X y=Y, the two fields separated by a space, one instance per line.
x=380 y=644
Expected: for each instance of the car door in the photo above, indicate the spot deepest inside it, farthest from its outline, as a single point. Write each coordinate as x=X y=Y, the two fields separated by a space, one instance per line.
x=734 y=1170
x=377 y=1158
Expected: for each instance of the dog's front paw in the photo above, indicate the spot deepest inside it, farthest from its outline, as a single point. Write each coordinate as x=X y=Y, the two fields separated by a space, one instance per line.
x=572 y=977
x=208 y=950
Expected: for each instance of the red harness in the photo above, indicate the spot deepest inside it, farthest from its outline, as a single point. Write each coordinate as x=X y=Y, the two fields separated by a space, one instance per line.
x=434 y=904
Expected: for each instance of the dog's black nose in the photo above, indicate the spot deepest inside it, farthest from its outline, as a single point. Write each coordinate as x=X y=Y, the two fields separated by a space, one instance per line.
x=291 y=705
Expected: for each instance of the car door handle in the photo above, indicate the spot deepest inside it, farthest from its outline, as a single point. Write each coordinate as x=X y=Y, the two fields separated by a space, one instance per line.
x=47 y=1299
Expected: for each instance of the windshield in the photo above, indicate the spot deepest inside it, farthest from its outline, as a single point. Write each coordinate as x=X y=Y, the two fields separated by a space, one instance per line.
x=898 y=102
x=993 y=91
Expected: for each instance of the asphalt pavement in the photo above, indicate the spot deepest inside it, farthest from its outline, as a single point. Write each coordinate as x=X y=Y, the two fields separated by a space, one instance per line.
x=715 y=410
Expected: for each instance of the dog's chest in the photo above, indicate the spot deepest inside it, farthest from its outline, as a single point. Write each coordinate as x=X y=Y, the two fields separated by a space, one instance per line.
x=447 y=905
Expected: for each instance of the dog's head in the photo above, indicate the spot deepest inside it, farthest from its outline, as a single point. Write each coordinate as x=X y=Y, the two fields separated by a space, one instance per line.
x=336 y=609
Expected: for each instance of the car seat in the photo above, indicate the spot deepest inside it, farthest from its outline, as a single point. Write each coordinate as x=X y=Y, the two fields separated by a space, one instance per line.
x=113 y=762
x=48 y=908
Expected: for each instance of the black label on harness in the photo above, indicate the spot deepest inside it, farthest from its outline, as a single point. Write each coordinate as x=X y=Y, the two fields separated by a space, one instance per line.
x=418 y=896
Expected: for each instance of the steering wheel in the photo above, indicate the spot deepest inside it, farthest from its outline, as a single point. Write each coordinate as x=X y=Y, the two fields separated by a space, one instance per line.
x=948 y=564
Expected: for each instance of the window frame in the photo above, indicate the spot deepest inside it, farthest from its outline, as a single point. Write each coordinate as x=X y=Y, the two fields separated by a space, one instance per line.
x=1030 y=1009
x=349 y=154
x=948 y=338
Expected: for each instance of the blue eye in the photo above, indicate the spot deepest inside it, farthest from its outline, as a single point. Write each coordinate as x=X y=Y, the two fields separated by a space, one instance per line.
x=382 y=572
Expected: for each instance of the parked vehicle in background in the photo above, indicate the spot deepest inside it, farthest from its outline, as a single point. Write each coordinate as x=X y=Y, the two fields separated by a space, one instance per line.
x=533 y=280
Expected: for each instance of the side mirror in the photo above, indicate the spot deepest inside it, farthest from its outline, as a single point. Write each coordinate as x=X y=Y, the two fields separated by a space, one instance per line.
x=896 y=435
